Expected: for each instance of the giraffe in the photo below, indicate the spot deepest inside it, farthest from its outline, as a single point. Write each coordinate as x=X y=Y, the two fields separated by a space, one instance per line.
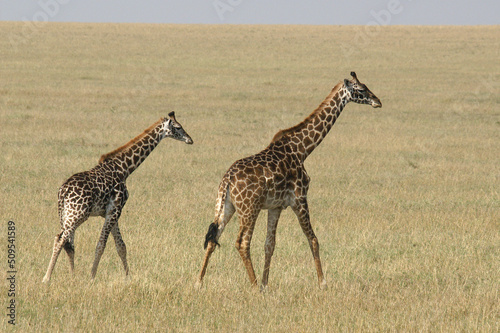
x=102 y=191
x=275 y=179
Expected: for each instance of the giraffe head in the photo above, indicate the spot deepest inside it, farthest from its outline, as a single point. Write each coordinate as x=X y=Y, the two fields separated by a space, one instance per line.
x=174 y=130
x=360 y=93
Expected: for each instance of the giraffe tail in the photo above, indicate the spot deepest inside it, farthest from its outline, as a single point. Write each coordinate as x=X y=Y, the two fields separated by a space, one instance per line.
x=211 y=235
x=61 y=198
x=213 y=228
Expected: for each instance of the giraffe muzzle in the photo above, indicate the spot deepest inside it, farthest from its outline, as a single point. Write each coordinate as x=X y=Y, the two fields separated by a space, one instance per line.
x=376 y=104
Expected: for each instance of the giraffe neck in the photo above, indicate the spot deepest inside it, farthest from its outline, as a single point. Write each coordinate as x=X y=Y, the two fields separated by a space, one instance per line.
x=128 y=157
x=304 y=137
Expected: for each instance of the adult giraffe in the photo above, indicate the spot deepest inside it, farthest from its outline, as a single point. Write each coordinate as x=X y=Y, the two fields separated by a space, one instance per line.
x=276 y=178
x=102 y=191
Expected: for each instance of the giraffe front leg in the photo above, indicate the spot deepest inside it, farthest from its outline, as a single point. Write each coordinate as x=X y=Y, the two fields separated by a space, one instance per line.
x=272 y=223
x=301 y=209
x=101 y=245
x=109 y=224
x=120 y=247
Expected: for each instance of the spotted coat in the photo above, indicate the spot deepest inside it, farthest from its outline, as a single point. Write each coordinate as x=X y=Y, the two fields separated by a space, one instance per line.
x=102 y=191
x=276 y=178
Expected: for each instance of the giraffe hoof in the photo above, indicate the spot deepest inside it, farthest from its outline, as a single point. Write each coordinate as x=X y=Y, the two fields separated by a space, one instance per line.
x=197 y=285
x=323 y=285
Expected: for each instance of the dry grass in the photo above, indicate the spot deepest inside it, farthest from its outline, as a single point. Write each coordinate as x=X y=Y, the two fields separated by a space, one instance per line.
x=404 y=199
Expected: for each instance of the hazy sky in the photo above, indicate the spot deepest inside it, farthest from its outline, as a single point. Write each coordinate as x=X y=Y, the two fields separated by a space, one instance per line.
x=383 y=12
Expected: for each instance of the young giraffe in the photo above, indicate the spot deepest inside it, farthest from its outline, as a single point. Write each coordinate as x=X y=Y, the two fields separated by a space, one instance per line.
x=275 y=178
x=101 y=191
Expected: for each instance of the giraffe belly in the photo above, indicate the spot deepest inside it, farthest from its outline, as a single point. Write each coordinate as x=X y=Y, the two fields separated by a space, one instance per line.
x=275 y=200
x=98 y=212
x=99 y=207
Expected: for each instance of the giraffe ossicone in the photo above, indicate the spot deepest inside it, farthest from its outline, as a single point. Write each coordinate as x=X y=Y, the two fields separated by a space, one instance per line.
x=102 y=191
x=275 y=179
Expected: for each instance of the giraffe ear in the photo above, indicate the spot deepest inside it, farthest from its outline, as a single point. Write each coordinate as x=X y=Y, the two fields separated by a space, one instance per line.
x=347 y=83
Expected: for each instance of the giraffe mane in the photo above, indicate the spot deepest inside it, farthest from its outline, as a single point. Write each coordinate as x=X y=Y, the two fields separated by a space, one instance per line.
x=114 y=153
x=313 y=114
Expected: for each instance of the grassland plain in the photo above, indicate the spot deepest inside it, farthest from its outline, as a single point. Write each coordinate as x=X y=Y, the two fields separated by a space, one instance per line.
x=404 y=199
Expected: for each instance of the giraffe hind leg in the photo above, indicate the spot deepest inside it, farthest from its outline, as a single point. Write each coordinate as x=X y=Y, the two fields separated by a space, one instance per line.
x=210 y=249
x=243 y=245
x=59 y=241
x=210 y=245
x=120 y=247
x=272 y=223
x=69 y=247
